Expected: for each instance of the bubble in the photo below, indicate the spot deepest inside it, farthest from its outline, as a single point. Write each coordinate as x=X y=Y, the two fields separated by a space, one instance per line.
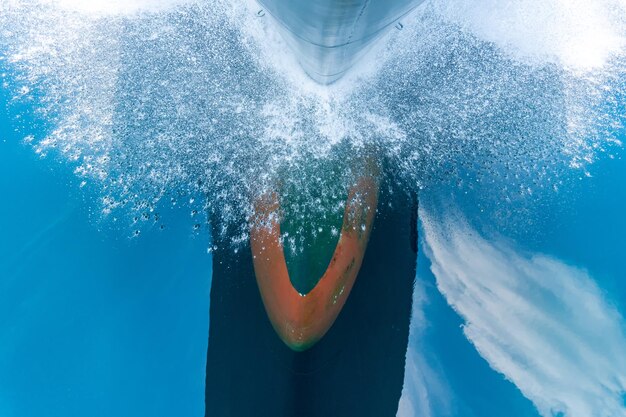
x=205 y=99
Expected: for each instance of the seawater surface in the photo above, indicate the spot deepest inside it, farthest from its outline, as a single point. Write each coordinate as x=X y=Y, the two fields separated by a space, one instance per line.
x=150 y=117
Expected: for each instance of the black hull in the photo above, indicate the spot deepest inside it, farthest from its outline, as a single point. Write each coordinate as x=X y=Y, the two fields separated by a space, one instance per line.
x=357 y=369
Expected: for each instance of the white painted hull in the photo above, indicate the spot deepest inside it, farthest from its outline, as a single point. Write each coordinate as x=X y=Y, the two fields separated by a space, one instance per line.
x=329 y=36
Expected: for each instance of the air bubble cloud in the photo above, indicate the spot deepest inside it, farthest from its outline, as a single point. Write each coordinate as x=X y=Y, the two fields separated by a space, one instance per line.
x=158 y=100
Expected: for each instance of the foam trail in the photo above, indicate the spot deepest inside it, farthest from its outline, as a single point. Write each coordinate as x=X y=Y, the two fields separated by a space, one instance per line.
x=543 y=324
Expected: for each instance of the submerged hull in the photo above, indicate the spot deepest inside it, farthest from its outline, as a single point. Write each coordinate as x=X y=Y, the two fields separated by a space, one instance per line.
x=329 y=36
x=303 y=318
x=356 y=369
x=338 y=346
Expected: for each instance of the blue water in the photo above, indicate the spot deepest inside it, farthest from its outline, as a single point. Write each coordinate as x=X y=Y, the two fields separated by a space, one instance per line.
x=93 y=322
x=590 y=234
x=97 y=322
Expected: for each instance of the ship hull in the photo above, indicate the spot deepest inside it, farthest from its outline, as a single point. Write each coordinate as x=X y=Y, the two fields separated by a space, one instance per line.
x=357 y=368
x=329 y=36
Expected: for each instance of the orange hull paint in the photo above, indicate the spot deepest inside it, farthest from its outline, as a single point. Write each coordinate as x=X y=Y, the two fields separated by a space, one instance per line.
x=302 y=320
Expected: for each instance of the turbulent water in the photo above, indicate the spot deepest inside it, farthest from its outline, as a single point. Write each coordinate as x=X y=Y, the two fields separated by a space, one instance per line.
x=158 y=102
x=201 y=104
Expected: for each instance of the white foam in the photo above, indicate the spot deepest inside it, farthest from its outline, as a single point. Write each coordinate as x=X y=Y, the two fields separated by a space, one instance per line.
x=425 y=391
x=117 y=7
x=175 y=93
x=579 y=34
x=545 y=325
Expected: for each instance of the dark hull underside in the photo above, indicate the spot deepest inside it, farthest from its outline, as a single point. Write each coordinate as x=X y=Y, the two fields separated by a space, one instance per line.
x=357 y=369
